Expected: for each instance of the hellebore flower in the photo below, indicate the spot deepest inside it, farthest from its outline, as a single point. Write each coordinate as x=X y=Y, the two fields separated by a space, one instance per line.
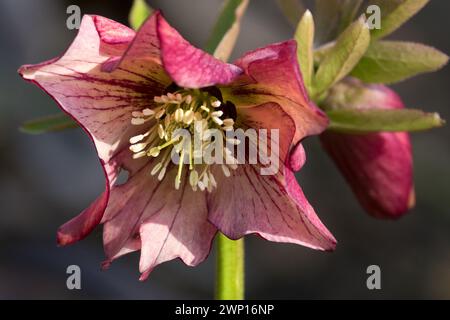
x=129 y=91
x=378 y=166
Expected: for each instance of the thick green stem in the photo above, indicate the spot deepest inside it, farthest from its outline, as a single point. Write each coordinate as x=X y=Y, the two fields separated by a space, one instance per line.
x=230 y=269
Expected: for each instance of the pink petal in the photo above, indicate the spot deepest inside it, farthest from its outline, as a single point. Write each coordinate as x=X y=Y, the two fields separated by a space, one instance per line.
x=100 y=102
x=115 y=37
x=188 y=66
x=142 y=58
x=269 y=117
x=80 y=226
x=297 y=158
x=126 y=206
x=145 y=47
x=170 y=223
x=271 y=206
x=272 y=74
x=378 y=167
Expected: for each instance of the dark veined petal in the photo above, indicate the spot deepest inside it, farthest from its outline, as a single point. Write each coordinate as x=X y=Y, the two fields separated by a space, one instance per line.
x=188 y=66
x=115 y=37
x=272 y=74
x=164 y=223
x=101 y=102
x=271 y=205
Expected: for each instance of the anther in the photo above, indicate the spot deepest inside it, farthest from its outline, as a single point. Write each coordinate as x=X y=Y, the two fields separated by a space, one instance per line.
x=161 y=131
x=154 y=152
x=188 y=117
x=148 y=112
x=137 y=121
x=179 y=114
x=216 y=104
x=160 y=113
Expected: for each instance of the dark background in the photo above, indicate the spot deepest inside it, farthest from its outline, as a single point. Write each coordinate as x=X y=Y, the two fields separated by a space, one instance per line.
x=47 y=179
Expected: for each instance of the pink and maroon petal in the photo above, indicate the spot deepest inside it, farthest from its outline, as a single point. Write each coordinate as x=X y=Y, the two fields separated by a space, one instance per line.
x=101 y=102
x=188 y=66
x=297 y=157
x=272 y=74
x=115 y=37
x=168 y=223
x=270 y=117
x=271 y=206
x=142 y=58
x=80 y=226
x=146 y=45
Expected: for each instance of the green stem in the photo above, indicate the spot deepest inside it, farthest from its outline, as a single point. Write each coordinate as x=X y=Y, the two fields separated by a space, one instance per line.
x=230 y=268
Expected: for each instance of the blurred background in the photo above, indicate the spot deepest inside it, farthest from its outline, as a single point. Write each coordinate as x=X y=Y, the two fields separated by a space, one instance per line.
x=45 y=180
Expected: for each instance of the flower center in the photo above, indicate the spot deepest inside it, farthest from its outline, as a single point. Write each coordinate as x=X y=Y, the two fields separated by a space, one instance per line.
x=180 y=128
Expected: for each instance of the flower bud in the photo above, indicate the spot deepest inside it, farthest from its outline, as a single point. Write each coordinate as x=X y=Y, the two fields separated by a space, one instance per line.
x=378 y=166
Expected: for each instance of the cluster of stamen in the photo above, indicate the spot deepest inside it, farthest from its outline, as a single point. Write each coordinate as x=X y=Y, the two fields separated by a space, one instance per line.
x=192 y=110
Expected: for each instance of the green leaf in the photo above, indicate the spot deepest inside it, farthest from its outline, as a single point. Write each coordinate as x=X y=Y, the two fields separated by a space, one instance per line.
x=304 y=35
x=394 y=13
x=139 y=12
x=292 y=9
x=357 y=121
x=345 y=54
x=57 y=122
x=226 y=30
x=392 y=61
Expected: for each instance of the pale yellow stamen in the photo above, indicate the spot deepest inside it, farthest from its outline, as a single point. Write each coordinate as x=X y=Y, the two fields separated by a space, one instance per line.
x=137 y=138
x=139 y=155
x=160 y=113
x=217 y=120
x=137 y=121
x=179 y=114
x=216 y=104
x=212 y=180
x=228 y=122
x=217 y=114
x=161 y=131
x=188 y=117
x=193 y=178
x=226 y=170
x=154 y=152
x=184 y=109
x=138 y=147
x=148 y=112
x=156 y=168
